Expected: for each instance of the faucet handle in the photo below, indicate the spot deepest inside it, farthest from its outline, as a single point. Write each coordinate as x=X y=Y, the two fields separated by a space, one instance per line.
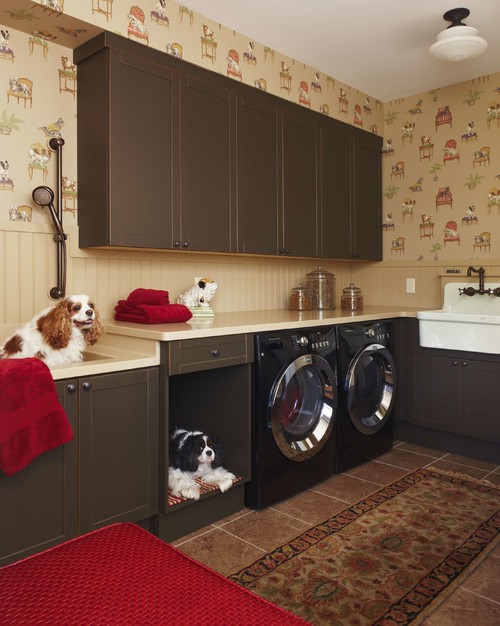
x=495 y=292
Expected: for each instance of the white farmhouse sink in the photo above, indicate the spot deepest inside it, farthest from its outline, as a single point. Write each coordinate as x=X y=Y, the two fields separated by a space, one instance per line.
x=470 y=323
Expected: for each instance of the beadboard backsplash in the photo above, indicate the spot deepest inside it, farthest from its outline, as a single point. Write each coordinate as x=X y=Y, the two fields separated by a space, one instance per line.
x=28 y=270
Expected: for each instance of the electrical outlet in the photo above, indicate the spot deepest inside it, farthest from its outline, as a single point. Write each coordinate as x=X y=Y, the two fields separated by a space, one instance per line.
x=410 y=285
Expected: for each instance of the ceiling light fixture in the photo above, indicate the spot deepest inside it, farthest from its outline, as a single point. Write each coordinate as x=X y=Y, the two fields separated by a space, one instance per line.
x=458 y=42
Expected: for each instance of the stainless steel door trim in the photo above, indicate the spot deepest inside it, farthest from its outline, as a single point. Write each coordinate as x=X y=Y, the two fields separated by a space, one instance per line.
x=304 y=446
x=370 y=424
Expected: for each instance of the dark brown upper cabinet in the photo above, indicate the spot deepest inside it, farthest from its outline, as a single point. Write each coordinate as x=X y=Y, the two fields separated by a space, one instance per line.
x=126 y=145
x=258 y=175
x=350 y=193
x=174 y=156
x=299 y=217
x=205 y=204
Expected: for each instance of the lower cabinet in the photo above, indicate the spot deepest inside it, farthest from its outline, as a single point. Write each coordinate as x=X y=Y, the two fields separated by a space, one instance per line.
x=107 y=473
x=455 y=394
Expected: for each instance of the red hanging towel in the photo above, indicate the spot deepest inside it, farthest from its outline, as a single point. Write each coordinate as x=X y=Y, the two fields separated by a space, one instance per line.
x=32 y=420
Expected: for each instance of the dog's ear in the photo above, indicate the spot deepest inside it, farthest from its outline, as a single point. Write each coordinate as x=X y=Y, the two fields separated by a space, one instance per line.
x=187 y=461
x=95 y=331
x=219 y=454
x=55 y=326
x=202 y=284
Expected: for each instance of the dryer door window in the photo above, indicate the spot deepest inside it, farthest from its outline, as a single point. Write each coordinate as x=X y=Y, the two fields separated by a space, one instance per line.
x=370 y=388
x=303 y=406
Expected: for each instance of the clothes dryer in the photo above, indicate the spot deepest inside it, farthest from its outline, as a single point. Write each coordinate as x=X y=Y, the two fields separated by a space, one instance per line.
x=294 y=413
x=367 y=387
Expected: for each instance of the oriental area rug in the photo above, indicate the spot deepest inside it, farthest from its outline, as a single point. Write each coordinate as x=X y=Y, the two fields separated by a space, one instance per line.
x=388 y=560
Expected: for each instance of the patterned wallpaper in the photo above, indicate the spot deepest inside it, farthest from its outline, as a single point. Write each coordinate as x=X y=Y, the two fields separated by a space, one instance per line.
x=441 y=164
x=441 y=149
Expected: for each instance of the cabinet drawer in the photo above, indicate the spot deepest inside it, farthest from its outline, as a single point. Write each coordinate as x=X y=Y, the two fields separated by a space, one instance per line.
x=193 y=355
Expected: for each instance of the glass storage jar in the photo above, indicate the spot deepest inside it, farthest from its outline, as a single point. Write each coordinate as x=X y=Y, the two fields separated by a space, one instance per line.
x=321 y=284
x=300 y=299
x=352 y=298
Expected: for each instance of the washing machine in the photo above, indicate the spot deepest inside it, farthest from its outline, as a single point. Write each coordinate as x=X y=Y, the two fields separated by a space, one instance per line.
x=294 y=413
x=367 y=387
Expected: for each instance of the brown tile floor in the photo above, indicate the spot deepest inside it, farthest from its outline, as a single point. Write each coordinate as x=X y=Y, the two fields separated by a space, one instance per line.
x=240 y=539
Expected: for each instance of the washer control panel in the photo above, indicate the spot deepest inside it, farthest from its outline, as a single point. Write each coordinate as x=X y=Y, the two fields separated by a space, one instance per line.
x=313 y=342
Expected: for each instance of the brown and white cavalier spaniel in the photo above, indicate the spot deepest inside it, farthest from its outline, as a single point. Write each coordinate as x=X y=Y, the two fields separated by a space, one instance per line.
x=57 y=335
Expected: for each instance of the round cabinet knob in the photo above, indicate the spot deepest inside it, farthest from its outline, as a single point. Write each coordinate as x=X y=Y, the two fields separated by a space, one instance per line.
x=455 y=363
x=282 y=250
x=185 y=244
x=71 y=388
x=464 y=364
x=87 y=386
x=215 y=352
x=176 y=244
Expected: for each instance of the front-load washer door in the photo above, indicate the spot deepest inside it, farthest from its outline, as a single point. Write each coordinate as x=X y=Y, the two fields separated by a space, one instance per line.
x=370 y=388
x=303 y=407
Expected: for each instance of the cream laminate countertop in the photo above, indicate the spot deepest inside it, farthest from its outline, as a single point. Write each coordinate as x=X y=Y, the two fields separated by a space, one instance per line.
x=126 y=346
x=253 y=322
x=112 y=353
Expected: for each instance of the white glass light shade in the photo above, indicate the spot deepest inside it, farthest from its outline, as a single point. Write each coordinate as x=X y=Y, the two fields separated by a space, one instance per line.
x=458 y=43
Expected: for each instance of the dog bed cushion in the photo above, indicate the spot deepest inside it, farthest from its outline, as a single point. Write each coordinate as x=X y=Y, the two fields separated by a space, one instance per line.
x=122 y=575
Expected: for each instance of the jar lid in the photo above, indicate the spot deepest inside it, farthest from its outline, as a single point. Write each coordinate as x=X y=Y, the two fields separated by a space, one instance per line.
x=300 y=289
x=352 y=290
x=320 y=272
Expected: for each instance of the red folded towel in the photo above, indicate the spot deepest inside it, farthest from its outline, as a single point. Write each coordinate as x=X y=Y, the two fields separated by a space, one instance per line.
x=148 y=296
x=32 y=421
x=152 y=314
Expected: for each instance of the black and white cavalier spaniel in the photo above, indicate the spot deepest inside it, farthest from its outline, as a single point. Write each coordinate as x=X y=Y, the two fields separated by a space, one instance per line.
x=194 y=454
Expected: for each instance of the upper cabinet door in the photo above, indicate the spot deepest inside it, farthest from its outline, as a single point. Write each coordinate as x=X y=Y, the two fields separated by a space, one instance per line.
x=367 y=234
x=257 y=175
x=206 y=219
x=125 y=151
x=299 y=226
x=336 y=191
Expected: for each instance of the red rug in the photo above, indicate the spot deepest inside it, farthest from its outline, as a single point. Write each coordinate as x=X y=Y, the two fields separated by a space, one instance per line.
x=387 y=560
x=122 y=575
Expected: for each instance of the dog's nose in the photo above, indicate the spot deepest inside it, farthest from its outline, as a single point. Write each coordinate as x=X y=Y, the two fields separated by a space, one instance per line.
x=209 y=452
x=89 y=313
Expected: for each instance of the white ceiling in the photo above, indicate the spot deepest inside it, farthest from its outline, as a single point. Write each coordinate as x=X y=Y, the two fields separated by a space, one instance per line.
x=377 y=46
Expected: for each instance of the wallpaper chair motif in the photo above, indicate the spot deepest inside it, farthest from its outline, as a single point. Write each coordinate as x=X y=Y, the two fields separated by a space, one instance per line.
x=233 y=64
x=304 y=93
x=398 y=245
x=450 y=151
x=357 y=116
x=426 y=227
x=407 y=208
x=398 y=170
x=493 y=113
x=450 y=233
x=160 y=20
x=443 y=116
x=482 y=156
x=482 y=241
x=426 y=148
x=493 y=199
x=21 y=88
x=136 y=27
x=443 y=197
